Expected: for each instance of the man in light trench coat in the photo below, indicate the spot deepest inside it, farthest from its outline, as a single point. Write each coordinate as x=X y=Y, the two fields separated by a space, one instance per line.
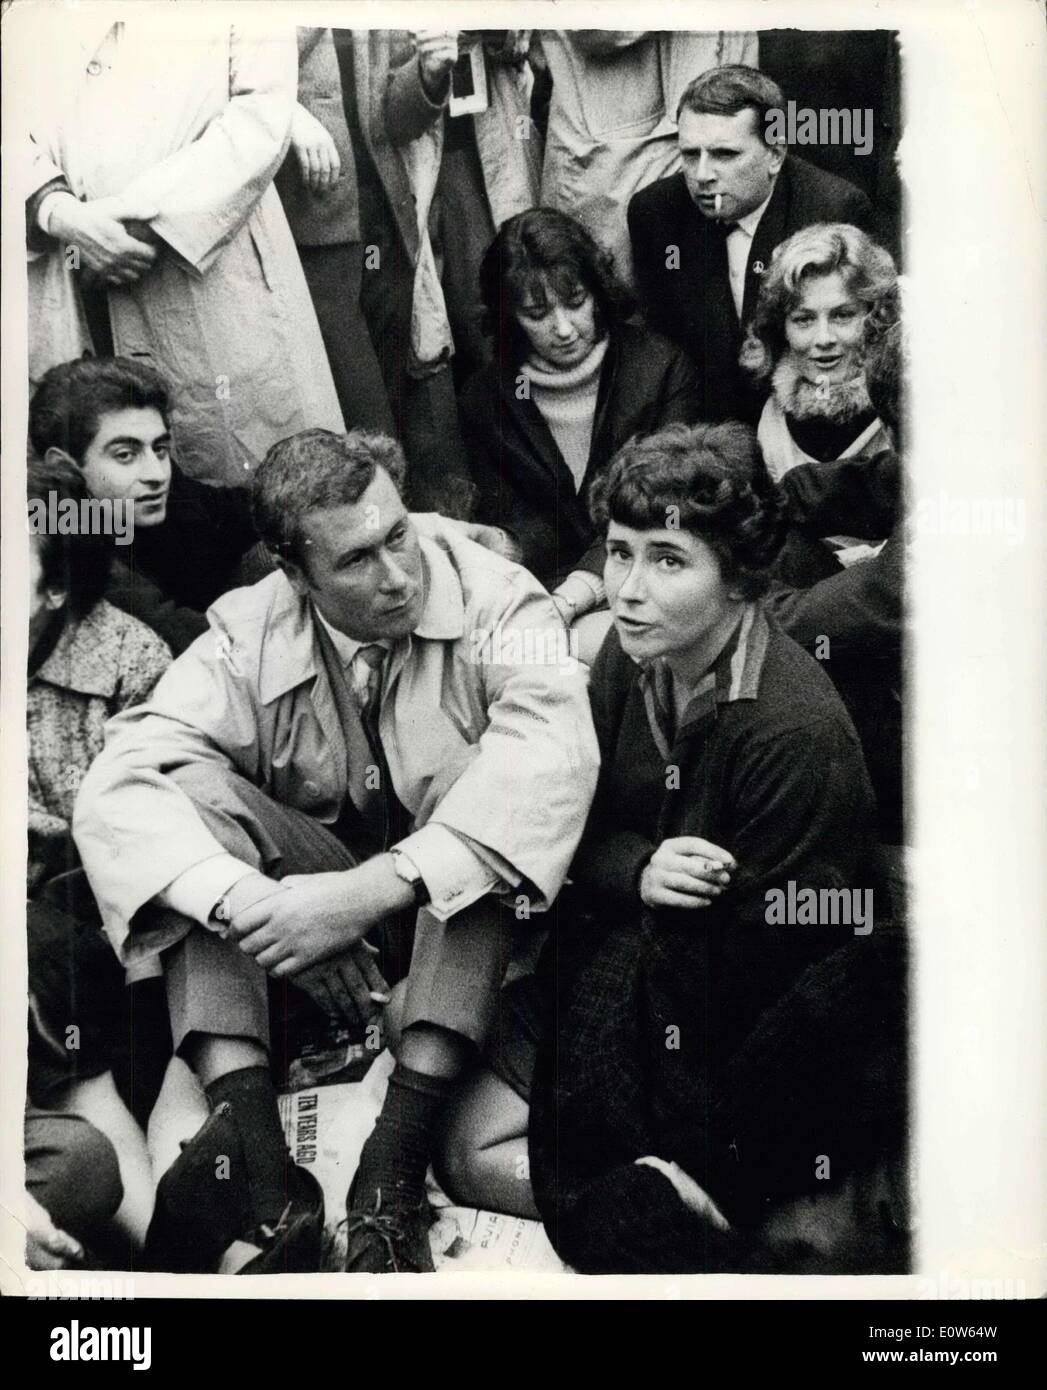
x=390 y=723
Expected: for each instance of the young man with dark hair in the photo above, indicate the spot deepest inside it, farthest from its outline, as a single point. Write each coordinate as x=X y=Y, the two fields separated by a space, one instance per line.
x=109 y=417
x=702 y=238
x=390 y=723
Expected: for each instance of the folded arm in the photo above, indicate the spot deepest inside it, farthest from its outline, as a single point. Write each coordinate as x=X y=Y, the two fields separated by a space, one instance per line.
x=206 y=191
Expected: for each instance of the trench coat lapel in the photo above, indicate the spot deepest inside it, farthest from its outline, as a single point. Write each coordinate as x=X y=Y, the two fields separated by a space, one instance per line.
x=291 y=656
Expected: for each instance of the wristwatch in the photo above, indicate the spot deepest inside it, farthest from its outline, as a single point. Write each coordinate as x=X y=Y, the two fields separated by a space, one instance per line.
x=220 y=914
x=409 y=873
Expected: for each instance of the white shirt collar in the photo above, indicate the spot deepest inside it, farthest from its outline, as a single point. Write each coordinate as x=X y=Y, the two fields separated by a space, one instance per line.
x=347 y=647
x=749 y=223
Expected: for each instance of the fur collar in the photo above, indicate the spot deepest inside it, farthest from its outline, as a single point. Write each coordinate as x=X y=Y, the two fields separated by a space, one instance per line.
x=803 y=400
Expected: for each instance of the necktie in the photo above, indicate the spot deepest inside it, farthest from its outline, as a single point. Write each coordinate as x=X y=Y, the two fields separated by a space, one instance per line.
x=724 y=229
x=368 y=786
x=365 y=674
x=720 y=231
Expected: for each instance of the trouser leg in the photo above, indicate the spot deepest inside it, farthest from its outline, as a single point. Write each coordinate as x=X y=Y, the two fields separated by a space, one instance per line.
x=333 y=274
x=213 y=987
x=457 y=968
x=425 y=410
x=465 y=230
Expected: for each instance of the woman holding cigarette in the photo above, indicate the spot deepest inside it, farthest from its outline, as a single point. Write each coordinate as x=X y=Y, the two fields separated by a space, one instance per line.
x=729 y=769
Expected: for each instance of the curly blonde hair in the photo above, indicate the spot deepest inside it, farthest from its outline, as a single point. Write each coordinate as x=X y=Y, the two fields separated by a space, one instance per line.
x=868 y=271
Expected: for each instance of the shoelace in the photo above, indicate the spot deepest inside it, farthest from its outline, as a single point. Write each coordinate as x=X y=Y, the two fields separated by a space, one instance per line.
x=263 y=1234
x=389 y=1229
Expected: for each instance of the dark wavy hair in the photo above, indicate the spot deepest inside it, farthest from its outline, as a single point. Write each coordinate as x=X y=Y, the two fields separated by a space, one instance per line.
x=732 y=88
x=545 y=241
x=78 y=563
x=867 y=270
x=711 y=481
x=67 y=406
x=316 y=470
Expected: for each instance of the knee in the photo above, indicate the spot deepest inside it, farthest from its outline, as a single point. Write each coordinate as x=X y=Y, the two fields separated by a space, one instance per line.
x=393 y=1017
x=73 y=1173
x=458 y=1163
x=98 y=1158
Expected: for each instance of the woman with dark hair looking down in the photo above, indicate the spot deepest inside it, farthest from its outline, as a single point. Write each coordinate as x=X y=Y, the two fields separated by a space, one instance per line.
x=571 y=381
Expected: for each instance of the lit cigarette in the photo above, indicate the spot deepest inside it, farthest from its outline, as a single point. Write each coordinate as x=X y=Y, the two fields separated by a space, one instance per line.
x=718 y=203
x=379 y=998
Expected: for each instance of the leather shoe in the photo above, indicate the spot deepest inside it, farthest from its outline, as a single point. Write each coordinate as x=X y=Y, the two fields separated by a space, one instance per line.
x=196 y=1217
x=386 y=1234
x=295 y=1244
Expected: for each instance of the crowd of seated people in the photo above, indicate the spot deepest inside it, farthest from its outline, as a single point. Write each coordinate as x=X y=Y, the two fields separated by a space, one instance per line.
x=503 y=661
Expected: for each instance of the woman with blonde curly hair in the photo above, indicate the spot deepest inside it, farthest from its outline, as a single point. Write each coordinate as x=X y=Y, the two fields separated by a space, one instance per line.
x=829 y=296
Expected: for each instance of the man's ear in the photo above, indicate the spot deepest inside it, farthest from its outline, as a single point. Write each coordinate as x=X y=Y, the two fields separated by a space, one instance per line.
x=776 y=159
x=293 y=573
x=55 y=457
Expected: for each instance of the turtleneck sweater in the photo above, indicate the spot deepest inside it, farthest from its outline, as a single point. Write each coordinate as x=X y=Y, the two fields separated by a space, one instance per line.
x=567 y=401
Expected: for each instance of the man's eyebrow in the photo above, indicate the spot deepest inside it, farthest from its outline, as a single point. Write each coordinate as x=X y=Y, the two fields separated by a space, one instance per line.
x=123 y=439
x=714 y=147
x=376 y=544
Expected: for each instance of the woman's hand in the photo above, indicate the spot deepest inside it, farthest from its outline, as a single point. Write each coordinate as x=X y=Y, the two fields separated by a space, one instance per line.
x=315 y=151
x=46 y=1246
x=494 y=538
x=686 y=871
x=576 y=596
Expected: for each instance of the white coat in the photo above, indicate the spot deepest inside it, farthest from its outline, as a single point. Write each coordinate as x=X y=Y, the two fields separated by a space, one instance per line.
x=195 y=122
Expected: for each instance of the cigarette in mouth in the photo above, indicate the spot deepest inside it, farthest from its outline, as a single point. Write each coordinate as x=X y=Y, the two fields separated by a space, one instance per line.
x=718 y=204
